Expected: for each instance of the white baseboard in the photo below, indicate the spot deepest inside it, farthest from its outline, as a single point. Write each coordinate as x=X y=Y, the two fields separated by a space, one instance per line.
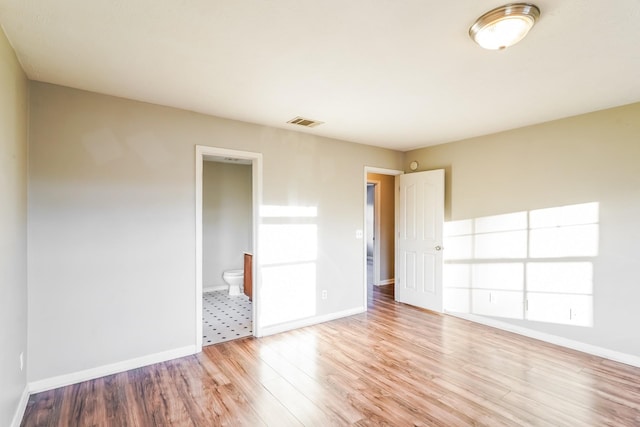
x=288 y=326
x=215 y=288
x=606 y=353
x=114 y=368
x=22 y=406
x=385 y=282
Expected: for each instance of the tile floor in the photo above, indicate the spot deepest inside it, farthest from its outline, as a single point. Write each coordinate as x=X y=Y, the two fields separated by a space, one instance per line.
x=225 y=317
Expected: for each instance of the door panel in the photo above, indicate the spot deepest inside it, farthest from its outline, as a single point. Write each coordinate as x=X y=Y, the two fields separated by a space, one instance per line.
x=409 y=212
x=410 y=270
x=421 y=220
x=430 y=215
x=429 y=268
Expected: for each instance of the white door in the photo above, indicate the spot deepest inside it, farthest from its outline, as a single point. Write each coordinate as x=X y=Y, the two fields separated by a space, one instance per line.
x=421 y=217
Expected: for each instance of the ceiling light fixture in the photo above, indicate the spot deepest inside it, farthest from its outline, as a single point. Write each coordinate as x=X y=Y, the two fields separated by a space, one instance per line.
x=504 y=26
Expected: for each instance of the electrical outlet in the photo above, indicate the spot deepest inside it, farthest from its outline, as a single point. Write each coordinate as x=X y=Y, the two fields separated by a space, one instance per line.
x=21 y=361
x=324 y=294
x=359 y=234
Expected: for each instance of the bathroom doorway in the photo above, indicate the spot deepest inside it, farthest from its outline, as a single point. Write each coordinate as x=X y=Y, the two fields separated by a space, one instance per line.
x=227 y=200
x=226 y=237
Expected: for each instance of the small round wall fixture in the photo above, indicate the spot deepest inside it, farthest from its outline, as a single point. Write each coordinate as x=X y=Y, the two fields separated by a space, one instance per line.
x=413 y=165
x=504 y=26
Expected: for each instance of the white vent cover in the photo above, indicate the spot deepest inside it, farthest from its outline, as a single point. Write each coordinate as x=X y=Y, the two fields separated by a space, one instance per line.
x=301 y=121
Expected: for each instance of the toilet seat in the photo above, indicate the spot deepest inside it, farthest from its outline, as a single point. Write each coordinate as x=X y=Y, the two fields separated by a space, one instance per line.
x=232 y=273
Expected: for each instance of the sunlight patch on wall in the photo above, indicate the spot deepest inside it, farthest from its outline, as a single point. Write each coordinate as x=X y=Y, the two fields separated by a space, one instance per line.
x=288 y=243
x=288 y=254
x=534 y=265
x=278 y=211
x=289 y=292
x=565 y=231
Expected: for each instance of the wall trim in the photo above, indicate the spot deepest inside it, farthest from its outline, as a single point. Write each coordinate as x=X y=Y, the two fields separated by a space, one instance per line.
x=594 y=350
x=21 y=408
x=215 y=288
x=113 y=368
x=288 y=326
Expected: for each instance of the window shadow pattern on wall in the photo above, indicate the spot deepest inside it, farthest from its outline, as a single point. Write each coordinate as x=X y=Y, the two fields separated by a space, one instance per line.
x=534 y=265
x=288 y=255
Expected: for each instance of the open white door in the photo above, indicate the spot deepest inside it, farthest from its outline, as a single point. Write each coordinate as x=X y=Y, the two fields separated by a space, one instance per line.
x=420 y=222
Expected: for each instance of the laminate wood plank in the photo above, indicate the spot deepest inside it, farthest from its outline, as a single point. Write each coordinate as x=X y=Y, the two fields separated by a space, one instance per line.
x=313 y=388
x=199 y=394
x=540 y=414
x=393 y=365
x=546 y=398
x=269 y=408
x=88 y=411
x=376 y=381
x=117 y=394
x=585 y=386
x=581 y=391
x=43 y=409
x=322 y=397
x=372 y=384
x=157 y=404
x=236 y=402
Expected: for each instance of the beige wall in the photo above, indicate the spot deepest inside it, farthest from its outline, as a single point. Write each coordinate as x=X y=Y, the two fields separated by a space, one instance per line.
x=13 y=230
x=387 y=225
x=112 y=225
x=226 y=219
x=588 y=158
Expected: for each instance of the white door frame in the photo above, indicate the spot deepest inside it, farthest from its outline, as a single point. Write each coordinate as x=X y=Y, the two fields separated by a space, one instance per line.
x=381 y=171
x=376 y=229
x=204 y=153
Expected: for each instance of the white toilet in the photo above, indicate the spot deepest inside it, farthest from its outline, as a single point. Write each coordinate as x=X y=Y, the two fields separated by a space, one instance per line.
x=235 y=280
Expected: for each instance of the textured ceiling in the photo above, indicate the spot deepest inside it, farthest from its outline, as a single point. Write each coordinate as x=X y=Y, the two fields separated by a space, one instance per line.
x=397 y=74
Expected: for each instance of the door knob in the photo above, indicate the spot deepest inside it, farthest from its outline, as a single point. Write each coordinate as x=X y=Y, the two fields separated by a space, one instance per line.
x=438 y=248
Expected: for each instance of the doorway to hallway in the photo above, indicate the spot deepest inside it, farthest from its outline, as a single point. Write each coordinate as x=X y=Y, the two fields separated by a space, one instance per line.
x=380 y=230
x=372 y=187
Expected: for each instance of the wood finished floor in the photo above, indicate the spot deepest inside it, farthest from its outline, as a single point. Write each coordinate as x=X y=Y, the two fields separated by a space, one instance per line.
x=394 y=365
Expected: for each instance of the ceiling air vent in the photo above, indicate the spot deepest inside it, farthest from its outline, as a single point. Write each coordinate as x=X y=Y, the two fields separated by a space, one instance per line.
x=304 y=122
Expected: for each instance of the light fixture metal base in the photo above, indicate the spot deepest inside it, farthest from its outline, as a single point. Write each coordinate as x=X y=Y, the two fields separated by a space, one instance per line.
x=504 y=26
